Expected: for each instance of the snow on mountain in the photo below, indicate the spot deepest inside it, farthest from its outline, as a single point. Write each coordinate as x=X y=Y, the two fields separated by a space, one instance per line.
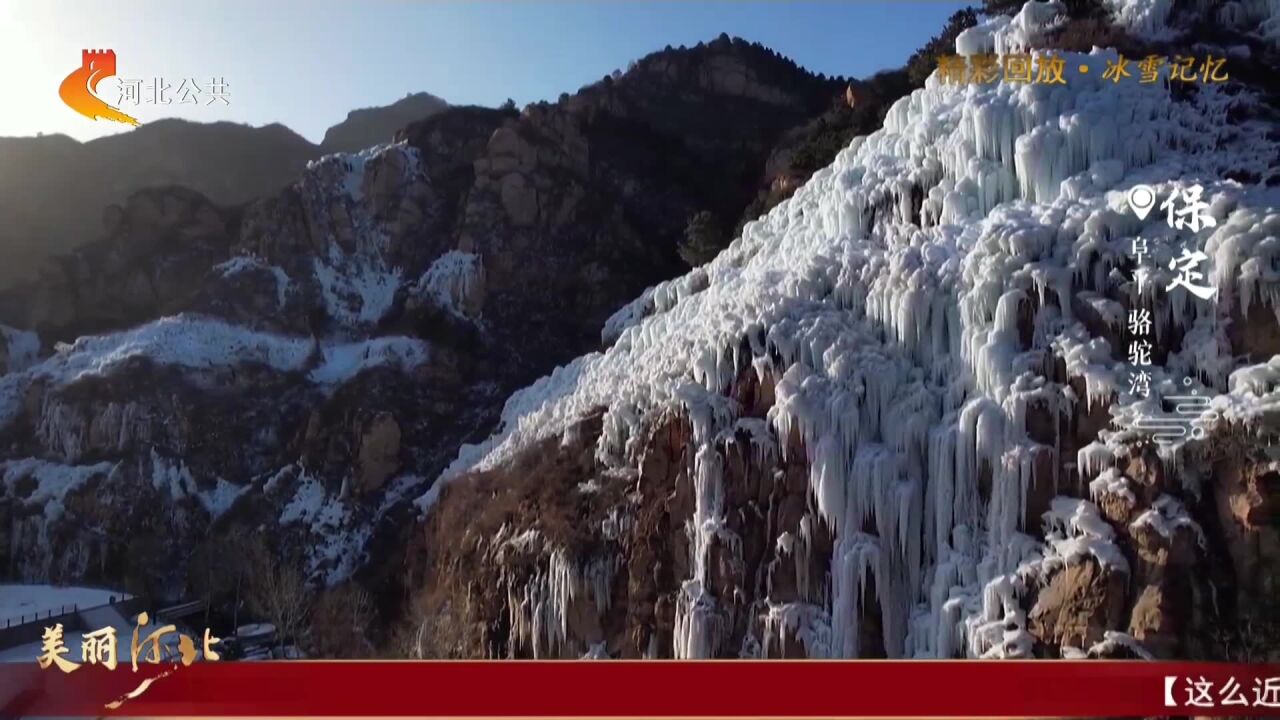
x=358 y=281
x=453 y=282
x=199 y=343
x=245 y=263
x=52 y=481
x=890 y=295
x=247 y=381
x=176 y=479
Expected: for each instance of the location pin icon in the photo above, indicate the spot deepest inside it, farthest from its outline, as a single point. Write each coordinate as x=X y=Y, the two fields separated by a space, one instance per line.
x=1141 y=199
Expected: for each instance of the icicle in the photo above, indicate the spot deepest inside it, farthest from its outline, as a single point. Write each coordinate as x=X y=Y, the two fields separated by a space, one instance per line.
x=856 y=558
x=1093 y=459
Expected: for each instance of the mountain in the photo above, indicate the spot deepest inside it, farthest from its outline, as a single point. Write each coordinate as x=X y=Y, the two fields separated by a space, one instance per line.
x=367 y=127
x=462 y=395
x=54 y=190
x=898 y=416
x=308 y=362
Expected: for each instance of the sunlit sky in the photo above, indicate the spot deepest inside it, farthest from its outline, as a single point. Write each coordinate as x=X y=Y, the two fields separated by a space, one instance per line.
x=306 y=64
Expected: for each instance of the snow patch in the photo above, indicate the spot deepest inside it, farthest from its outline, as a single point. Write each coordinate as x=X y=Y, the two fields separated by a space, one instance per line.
x=337 y=542
x=248 y=263
x=17 y=601
x=203 y=343
x=1166 y=516
x=53 y=482
x=356 y=290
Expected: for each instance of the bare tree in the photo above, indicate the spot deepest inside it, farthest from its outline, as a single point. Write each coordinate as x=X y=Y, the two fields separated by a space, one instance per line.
x=340 y=622
x=276 y=591
x=439 y=630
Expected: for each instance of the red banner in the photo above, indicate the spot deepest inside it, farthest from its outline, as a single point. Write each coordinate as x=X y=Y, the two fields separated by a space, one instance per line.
x=658 y=689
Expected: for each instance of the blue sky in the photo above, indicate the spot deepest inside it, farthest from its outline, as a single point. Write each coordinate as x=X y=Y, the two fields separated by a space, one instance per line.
x=305 y=64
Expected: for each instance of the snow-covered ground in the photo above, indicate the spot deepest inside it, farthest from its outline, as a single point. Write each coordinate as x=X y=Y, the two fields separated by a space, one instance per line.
x=893 y=331
x=95 y=611
x=17 y=601
x=74 y=640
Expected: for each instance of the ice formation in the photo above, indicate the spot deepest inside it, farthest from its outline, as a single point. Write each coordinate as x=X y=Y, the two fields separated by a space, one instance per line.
x=453 y=283
x=1260 y=18
x=357 y=281
x=910 y=302
x=1144 y=18
x=538 y=609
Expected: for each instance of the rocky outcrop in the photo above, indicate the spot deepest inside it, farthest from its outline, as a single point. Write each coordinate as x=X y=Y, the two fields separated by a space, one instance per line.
x=596 y=190
x=1080 y=603
x=158 y=248
x=367 y=127
x=378 y=457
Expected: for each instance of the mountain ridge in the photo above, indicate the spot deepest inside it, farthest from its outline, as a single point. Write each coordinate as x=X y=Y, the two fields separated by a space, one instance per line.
x=230 y=162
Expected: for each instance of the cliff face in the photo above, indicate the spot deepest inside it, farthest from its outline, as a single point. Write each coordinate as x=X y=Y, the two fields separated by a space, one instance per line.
x=295 y=371
x=559 y=555
x=896 y=418
x=595 y=190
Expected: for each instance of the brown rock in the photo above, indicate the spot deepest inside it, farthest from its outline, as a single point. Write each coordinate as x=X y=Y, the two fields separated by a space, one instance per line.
x=1156 y=621
x=519 y=199
x=1079 y=604
x=1154 y=549
x=1256 y=335
x=1246 y=495
x=379 y=454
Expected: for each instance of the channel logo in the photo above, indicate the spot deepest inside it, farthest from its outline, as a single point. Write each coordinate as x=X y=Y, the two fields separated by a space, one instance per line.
x=80 y=90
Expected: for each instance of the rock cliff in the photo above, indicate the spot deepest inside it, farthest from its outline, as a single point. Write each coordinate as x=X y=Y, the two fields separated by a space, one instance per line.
x=210 y=382
x=897 y=418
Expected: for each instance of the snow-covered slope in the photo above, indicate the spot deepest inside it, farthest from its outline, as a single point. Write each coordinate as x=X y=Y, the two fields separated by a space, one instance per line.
x=197 y=344
x=912 y=301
